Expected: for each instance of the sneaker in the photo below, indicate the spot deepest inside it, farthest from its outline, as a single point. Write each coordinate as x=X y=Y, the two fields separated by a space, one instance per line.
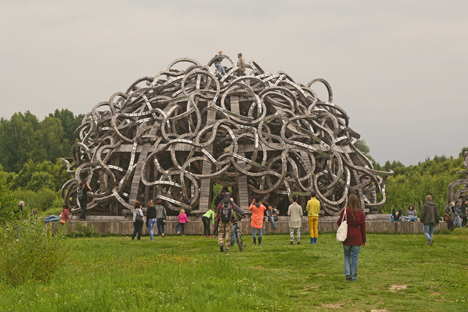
x=205 y=236
x=432 y=241
x=291 y=243
x=348 y=277
x=179 y=233
x=227 y=249
x=209 y=236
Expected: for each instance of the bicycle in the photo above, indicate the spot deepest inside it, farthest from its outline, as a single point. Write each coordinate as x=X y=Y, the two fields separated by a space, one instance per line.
x=238 y=233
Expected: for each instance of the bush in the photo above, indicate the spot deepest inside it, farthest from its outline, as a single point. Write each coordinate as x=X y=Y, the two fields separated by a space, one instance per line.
x=84 y=231
x=29 y=251
x=41 y=200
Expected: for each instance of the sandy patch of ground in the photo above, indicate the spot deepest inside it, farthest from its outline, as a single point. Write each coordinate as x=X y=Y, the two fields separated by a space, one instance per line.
x=394 y=288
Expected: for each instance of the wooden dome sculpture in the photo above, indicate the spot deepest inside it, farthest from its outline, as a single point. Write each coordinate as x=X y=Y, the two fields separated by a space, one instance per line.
x=171 y=136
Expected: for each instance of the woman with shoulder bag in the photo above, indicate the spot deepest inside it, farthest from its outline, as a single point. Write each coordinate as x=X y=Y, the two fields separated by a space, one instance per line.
x=160 y=217
x=356 y=237
x=138 y=220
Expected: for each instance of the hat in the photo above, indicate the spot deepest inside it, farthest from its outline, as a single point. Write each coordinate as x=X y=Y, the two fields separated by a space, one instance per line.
x=240 y=54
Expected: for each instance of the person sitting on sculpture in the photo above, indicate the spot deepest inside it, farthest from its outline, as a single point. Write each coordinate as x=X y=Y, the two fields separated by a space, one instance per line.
x=272 y=215
x=396 y=215
x=411 y=214
x=217 y=62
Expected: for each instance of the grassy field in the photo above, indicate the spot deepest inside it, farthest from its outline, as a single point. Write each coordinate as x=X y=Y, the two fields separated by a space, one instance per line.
x=396 y=273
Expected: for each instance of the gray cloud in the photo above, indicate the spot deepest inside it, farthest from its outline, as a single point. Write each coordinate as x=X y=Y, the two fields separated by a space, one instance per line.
x=398 y=68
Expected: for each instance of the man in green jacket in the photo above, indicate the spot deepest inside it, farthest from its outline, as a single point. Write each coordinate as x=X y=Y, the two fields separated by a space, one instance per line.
x=313 y=208
x=430 y=218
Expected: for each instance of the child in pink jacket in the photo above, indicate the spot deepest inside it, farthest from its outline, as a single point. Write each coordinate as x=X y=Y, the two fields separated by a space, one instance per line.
x=182 y=220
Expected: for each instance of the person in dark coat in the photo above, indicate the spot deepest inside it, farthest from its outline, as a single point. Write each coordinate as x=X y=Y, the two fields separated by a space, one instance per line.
x=463 y=212
x=84 y=200
x=151 y=218
x=137 y=226
x=356 y=236
x=430 y=218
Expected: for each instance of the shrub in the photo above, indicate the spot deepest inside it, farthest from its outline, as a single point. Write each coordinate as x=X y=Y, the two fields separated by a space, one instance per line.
x=84 y=231
x=41 y=200
x=29 y=251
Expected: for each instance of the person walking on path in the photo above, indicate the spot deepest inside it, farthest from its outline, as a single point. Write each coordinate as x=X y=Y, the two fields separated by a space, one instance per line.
x=82 y=193
x=295 y=221
x=456 y=212
x=137 y=222
x=182 y=220
x=208 y=217
x=160 y=217
x=257 y=209
x=313 y=208
x=430 y=218
x=241 y=64
x=356 y=237
x=151 y=218
x=217 y=62
x=225 y=215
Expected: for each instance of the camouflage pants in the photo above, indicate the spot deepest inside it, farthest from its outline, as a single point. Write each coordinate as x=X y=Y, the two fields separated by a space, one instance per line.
x=221 y=227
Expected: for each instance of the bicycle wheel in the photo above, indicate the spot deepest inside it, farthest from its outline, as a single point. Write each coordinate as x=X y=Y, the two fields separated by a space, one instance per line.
x=239 y=239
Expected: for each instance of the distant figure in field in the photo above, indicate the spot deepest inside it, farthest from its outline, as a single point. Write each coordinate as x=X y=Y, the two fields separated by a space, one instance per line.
x=208 y=217
x=225 y=216
x=430 y=218
x=258 y=210
x=356 y=236
x=295 y=221
x=182 y=220
x=160 y=217
x=456 y=213
x=463 y=212
x=241 y=64
x=65 y=215
x=217 y=62
x=411 y=214
x=396 y=215
x=313 y=208
x=151 y=218
x=137 y=223
x=82 y=194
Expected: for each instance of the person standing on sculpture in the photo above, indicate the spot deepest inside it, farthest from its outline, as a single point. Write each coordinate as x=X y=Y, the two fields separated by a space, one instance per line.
x=430 y=218
x=295 y=221
x=82 y=191
x=356 y=237
x=217 y=62
x=225 y=216
x=241 y=64
x=313 y=208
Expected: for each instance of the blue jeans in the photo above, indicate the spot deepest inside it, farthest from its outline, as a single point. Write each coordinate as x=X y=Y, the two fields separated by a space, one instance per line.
x=151 y=223
x=411 y=218
x=255 y=232
x=457 y=220
x=183 y=227
x=220 y=68
x=160 y=225
x=428 y=232
x=351 y=257
x=272 y=220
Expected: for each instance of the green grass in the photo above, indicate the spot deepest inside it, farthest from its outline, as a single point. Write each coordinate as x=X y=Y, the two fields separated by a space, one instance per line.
x=190 y=274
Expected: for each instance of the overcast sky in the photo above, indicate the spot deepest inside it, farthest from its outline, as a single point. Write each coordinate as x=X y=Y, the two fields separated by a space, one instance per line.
x=398 y=68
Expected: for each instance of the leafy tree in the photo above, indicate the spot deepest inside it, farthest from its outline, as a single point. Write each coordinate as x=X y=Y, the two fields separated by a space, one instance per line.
x=462 y=152
x=51 y=137
x=70 y=123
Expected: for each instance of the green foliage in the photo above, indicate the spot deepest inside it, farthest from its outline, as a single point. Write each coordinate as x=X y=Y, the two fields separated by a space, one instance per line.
x=84 y=231
x=410 y=185
x=462 y=152
x=28 y=252
x=41 y=200
x=36 y=176
x=8 y=204
x=24 y=138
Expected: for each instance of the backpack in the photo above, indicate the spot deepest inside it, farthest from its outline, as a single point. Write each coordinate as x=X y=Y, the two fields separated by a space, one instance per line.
x=225 y=211
x=79 y=192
